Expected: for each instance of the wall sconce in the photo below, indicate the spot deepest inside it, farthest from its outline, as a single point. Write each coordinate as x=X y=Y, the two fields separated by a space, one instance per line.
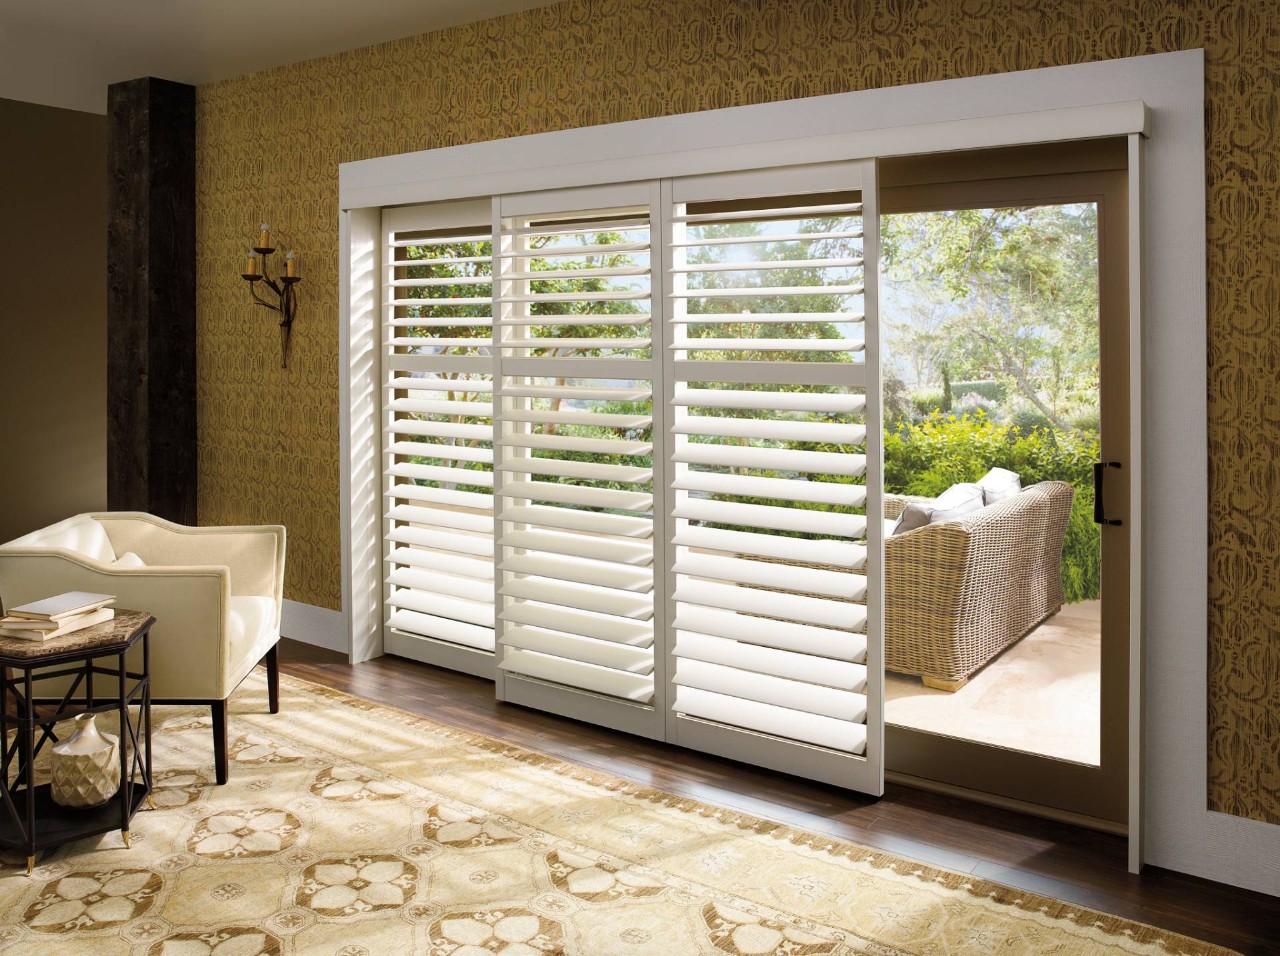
x=286 y=300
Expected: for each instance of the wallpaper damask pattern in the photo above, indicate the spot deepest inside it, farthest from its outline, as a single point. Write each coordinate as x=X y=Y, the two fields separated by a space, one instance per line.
x=269 y=146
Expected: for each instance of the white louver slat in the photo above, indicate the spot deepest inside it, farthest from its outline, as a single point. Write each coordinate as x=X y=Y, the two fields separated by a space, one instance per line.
x=438 y=429
x=575 y=442
x=774 y=477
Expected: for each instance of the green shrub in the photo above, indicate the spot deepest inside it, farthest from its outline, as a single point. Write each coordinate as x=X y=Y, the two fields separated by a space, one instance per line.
x=1028 y=419
x=994 y=391
x=928 y=457
x=926 y=403
x=971 y=403
x=1087 y=419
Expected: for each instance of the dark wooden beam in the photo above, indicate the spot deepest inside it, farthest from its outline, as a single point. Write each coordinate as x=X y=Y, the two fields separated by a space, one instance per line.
x=151 y=299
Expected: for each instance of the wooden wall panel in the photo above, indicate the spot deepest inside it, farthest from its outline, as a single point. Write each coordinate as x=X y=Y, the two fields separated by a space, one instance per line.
x=151 y=299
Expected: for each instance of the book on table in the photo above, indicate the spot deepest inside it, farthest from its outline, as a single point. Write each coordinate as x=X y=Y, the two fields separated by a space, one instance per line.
x=30 y=630
x=62 y=606
x=58 y=615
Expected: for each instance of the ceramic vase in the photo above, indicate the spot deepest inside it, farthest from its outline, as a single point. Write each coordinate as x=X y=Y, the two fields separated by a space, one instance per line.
x=85 y=768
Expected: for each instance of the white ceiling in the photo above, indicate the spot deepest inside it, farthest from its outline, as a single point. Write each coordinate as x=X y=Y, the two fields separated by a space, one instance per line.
x=66 y=52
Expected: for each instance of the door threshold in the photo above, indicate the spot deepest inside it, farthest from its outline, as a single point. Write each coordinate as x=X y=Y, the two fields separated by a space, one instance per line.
x=1007 y=803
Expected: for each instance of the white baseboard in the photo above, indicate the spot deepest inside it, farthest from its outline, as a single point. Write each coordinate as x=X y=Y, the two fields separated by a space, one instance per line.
x=319 y=626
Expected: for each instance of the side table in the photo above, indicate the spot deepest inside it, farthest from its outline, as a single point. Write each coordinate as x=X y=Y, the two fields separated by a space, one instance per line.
x=100 y=682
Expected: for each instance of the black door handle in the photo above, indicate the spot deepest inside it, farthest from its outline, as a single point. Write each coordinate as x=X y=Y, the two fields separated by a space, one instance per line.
x=1099 y=510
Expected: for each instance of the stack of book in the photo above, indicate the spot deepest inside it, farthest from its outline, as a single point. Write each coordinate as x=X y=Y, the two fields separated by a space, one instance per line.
x=58 y=615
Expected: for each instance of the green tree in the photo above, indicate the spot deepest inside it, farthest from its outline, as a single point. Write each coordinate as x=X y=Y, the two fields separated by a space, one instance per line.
x=1023 y=286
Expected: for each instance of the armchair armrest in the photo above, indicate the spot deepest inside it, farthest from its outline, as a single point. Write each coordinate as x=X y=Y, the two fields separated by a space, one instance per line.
x=253 y=553
x=188 y=649
x=29 y=574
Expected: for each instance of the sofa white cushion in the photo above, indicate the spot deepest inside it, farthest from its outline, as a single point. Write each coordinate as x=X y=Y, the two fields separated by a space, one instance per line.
x=914 y=515
x=999 y=484
x=129 y=560
x=956 y=502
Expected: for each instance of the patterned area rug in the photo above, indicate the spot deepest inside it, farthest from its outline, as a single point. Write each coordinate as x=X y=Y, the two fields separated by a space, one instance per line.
x=353 y=829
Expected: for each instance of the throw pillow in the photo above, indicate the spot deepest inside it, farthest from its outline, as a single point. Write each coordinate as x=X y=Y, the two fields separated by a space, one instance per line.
x=129 y=560
x=914 y=515
x=999 y=484
x=956 y=502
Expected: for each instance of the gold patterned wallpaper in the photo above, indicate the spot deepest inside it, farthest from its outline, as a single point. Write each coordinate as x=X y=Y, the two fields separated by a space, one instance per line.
x=269 y=146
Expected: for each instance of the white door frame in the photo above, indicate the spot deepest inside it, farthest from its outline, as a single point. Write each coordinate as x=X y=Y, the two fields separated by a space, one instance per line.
x=1158 y=96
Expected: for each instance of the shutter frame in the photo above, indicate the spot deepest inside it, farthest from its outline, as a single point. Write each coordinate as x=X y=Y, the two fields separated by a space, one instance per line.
x=437 y=434
x=760 y=579
x=577 y=415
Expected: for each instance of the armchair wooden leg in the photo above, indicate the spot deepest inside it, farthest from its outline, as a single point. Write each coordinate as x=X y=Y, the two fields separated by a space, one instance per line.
x=273 y=678
x=219 y=710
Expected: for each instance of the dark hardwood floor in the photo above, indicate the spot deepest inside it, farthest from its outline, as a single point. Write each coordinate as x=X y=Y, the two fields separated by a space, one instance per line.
x=1053 y=859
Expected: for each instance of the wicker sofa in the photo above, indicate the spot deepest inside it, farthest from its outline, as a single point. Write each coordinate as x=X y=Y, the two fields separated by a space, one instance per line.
x=957 y=593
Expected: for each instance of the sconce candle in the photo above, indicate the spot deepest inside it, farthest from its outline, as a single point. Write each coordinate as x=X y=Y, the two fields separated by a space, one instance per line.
x=284 y=287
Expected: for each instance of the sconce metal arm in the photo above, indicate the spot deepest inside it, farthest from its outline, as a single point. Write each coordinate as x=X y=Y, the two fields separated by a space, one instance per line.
x=286 y=300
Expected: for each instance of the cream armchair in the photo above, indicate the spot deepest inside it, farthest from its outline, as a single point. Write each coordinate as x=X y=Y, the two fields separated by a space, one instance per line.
x=216 y=594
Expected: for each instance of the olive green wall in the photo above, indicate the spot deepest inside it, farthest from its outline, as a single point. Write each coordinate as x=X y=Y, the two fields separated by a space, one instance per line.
x=270 y=145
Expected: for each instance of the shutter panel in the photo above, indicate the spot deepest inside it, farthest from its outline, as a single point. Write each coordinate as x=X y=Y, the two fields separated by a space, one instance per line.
x=774 y=471
x=438 y=434
x=648 y=491
x=576 y=430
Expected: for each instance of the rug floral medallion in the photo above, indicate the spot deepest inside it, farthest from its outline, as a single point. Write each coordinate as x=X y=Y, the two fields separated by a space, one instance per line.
x=353 y=829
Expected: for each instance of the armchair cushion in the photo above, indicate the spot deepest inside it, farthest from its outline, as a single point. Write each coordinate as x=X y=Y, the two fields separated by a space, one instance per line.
x=129 y=560
x=255 y=554
x=956 y=502
x=999 y=484
x=82 y=534
x=250 y=631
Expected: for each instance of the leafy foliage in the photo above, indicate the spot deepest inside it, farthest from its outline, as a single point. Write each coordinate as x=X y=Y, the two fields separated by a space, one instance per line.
x=989 y=389
x=1008 y=294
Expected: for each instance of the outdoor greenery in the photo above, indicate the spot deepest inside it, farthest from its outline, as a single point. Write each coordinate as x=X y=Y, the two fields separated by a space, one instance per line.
x=990 y=322
x=991 y=327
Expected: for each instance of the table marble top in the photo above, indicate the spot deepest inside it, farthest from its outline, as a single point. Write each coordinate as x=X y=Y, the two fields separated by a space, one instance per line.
x=121 y=631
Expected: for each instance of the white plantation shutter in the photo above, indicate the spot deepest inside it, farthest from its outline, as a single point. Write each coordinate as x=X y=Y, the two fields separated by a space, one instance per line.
x=774 y=470
x=438 y=435
x=633 y=458
x=576 y=427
